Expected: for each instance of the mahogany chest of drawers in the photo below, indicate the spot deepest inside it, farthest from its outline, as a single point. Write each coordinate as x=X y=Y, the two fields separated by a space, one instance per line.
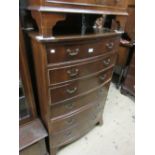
x=73 y=72
x=73 y=87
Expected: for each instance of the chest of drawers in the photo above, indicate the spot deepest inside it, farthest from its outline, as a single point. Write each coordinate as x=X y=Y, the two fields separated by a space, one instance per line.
x=73 y=72
x=73 y=88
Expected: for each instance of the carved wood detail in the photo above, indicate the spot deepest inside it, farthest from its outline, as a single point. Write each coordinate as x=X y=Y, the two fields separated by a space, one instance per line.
x=46 y=21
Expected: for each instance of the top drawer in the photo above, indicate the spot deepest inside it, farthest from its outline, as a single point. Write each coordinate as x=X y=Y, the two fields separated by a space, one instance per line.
x=63 y=52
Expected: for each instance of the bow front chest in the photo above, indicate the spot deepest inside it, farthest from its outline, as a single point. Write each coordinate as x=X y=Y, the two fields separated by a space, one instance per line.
x=73 y=70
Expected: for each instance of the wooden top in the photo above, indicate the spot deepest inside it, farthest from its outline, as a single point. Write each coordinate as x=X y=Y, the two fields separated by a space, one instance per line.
x=54 y=39
x=31 y=133
x=75 y=10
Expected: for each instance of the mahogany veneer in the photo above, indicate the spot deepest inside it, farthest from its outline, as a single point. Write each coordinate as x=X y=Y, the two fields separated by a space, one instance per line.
x=73 y=72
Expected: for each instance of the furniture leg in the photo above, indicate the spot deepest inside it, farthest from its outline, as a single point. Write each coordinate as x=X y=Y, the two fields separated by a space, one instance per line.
x=100 y=121
x=53 y=151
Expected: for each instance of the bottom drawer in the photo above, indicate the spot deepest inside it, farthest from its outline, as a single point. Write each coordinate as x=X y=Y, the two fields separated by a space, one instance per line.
x=73 y=133
x=88 y=113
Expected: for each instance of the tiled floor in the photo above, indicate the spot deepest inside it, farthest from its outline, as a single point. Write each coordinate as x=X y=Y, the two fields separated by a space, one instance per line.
x=116 y=136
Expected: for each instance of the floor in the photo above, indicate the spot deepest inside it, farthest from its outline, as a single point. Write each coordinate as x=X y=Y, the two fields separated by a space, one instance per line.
x=116 y=136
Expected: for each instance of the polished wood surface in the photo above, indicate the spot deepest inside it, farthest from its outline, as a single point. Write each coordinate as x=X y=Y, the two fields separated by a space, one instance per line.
x=31 y=133
x=122 y=55
x=77 y=88
x=73 y=72
x=128 y=85
x=80 y=50
x=38 y=148
x=43 y=11
x=73 y=105
x=110 y=5
x=56 y=100
x=79 y=70
x=130 y=24
x=26 y=79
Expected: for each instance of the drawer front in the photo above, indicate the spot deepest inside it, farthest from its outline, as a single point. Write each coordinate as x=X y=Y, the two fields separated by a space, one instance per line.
x=77 y=71
x=75 y=132
x=60 y=52
x=78 y=87
x=89 y=113
x=74 y=105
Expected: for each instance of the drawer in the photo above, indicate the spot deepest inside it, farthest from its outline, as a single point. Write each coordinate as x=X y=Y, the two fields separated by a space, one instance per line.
x=89 y=113
x=74 y=105
x=75 y=132
x=60 y=52
x=79 y=70
x=73 y=89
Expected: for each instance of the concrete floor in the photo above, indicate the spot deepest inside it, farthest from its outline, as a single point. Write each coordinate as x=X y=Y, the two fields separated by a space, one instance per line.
x=116 y=136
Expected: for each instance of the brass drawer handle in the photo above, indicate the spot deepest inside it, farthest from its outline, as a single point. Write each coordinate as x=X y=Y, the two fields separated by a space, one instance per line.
x=73 y=52
x=110 y=45
x=72 y=91
x=107 y=62
x=69 y=106
x=102 y=77
x=73 y=72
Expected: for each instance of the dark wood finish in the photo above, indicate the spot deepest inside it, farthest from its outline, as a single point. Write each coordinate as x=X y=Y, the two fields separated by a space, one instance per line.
x=91 y=5
x=131 y=2
x=119 y=3
x=80 y=50
x=31 y=133
x=39 y=148
x=26 y=80
x=79 y=70
x=31 y=130
x=124 y=49
x=74 y=132
x=42 y=11
x=77 y=88
x=87 y=113
x=130 y=24
x=69 y=38
x=122 y=55
x=45 y=23
x=128 y=85
x=73 y=105
x=73 y=72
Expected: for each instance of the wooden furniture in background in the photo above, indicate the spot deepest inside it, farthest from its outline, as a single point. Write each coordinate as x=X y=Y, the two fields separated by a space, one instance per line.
x=124 y=51
x=128 y=85
x=27 y=109
x=73 y=64
x=130 y=24
x=31 y=131
x=32 y=138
